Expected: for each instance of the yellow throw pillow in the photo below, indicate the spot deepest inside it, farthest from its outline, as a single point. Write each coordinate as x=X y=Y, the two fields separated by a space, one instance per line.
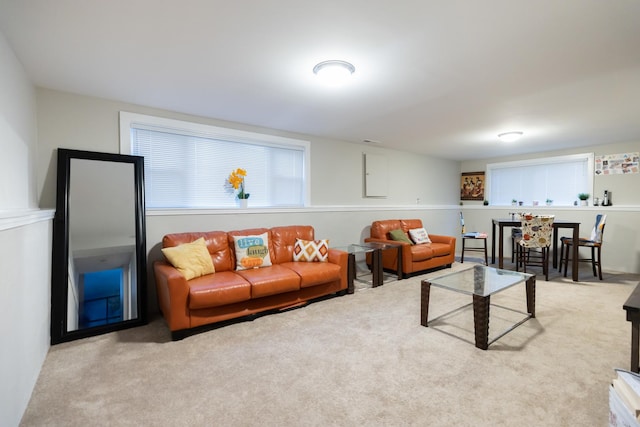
x=191 y=259
x=311 y=250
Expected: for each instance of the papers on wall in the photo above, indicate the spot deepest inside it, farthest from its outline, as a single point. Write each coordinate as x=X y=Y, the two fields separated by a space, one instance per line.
x=612 y=164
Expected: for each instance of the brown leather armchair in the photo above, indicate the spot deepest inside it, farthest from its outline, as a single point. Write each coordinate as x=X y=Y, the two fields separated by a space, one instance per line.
x=415 y=257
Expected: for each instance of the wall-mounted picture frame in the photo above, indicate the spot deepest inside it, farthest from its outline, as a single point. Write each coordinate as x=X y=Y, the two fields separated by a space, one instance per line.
x=472 y=186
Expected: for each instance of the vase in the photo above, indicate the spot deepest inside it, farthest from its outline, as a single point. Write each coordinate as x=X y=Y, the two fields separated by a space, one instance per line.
x=243 y=203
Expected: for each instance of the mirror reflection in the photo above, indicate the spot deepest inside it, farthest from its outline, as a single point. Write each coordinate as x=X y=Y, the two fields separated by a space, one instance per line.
x=99 y=254
x=102 y=238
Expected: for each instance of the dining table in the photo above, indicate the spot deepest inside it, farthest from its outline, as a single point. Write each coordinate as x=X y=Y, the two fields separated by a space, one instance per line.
x=501 y=223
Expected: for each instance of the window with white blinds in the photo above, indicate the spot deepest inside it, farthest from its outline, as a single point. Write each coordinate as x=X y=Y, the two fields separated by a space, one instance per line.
x=186 y=165
x=556 y=178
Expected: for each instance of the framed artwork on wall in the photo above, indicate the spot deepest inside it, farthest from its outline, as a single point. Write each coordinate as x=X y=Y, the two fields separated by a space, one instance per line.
x=472 y=186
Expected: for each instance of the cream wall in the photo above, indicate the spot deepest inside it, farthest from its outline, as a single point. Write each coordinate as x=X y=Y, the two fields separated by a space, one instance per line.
x=71 y=121
x=25 y=252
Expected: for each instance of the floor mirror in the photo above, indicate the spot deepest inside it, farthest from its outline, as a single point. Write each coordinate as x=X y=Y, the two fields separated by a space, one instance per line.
x=99 y=253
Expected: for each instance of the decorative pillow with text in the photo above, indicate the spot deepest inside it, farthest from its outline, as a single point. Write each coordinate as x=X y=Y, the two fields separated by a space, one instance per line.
x=311 y=250
x=419 y=235
x=252 y=251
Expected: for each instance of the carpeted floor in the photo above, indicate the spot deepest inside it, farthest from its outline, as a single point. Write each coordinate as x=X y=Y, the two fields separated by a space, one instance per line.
x=360 y=359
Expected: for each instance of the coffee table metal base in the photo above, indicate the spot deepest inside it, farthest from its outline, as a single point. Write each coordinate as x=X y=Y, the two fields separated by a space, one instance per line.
x=481 y=305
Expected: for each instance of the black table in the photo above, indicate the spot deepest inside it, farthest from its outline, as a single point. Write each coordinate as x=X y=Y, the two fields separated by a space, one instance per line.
x=632 y=307
x=557 y=223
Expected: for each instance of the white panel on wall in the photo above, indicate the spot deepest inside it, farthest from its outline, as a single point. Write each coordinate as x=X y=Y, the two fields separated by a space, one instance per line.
x=375 y=175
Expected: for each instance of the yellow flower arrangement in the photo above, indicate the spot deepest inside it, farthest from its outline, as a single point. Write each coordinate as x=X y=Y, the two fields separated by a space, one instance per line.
x=236 y=180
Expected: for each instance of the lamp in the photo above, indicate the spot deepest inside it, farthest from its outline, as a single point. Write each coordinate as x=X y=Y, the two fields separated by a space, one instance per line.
x=510 y=136
x=334 y=72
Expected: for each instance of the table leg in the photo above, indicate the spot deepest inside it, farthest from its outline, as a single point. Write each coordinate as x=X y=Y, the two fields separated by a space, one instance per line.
x=486 y=261
x=531 y=296
x=377 y=276
x=574 y=261
x=555 y=247
x=424 y=302
x=399 y=265
x=500 y=246
x=481 y=320
x=351 y=273
x=635 y=336
x=493 y=242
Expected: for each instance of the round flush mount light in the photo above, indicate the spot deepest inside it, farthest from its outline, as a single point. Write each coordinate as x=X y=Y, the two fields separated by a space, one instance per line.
x=334 y=72
x=510 y=136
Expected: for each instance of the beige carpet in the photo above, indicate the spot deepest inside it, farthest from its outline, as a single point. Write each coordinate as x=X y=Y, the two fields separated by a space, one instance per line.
x=361 y=359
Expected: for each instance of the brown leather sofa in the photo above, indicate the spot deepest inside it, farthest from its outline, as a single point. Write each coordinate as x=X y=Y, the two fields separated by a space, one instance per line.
x=415 y=257
x=228 y=294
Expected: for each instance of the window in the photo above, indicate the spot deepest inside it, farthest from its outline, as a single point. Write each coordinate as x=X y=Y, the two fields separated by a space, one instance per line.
x=186 y=165
x=556 y=178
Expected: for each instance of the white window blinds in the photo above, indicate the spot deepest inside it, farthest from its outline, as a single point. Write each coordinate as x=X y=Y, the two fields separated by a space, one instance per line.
x=556 y=178
x=188 y=168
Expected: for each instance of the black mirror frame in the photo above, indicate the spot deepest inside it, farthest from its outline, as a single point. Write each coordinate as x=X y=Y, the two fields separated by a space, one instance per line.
x=60 y=257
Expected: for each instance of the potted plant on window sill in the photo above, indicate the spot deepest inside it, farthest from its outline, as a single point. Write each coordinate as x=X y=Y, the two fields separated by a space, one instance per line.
x=583 y=198
x=236 y=181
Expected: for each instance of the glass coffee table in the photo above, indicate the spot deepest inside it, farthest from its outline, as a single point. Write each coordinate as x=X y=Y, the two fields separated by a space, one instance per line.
x=481 y=282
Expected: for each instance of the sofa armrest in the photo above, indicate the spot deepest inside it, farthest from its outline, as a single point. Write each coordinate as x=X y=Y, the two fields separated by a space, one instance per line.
x=379 y=240
x=449 y=240
x=341 y=258
x=173 y=292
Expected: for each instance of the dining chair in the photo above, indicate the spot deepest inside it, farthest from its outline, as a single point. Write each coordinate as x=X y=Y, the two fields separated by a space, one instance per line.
x=594 y=242
x=535 y=242
x=474 y=235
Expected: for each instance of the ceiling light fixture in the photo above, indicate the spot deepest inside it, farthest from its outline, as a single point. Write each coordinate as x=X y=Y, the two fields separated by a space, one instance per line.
x=334 y=72
x=510 y=136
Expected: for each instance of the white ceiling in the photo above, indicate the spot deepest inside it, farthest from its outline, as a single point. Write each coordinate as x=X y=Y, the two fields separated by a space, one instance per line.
x=441 y=77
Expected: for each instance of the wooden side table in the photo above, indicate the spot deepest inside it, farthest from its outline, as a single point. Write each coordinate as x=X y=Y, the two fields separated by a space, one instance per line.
x=632 y=307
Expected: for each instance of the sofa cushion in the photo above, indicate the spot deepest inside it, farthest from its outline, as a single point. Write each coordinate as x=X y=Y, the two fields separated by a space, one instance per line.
x=218 y=289
x=311 y=250
x=400 y=236
x=440 y=249
x=313 y=273
x=409 y=224
x=283 y=241
x=419 y=235
x=421 y=252
x=381 y=229
x=271 y=280
x=190 y=259
x=217 y=245
x=252 y=251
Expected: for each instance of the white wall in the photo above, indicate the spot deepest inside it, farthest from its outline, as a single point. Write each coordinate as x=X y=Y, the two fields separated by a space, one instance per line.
x=78 y=122
x=25 y=253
